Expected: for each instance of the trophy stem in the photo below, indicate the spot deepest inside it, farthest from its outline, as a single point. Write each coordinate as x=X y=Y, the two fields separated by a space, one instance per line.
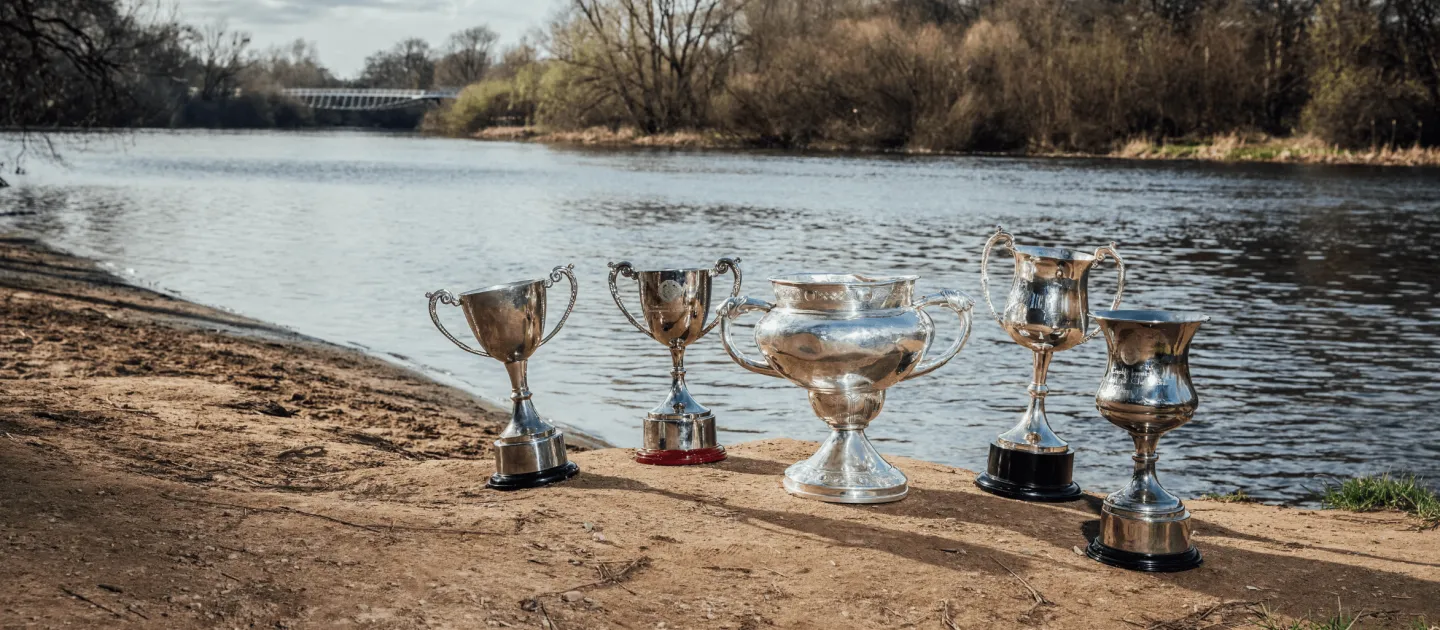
x=530 y=451
x=1029 y=462
x=679 y=432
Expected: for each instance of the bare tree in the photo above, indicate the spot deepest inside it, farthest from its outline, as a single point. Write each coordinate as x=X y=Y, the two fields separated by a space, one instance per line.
x=219 y=58
x=409 y=64
x=662 y=60
x=468 y=54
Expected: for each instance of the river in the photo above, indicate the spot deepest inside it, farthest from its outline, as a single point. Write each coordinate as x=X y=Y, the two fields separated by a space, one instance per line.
x=1320 y=360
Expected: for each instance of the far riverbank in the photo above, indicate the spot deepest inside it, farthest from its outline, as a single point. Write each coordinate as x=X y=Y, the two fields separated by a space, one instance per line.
x=1223 y=148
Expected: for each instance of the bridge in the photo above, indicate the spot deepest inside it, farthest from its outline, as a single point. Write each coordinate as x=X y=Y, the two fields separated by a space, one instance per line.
x=356 y=99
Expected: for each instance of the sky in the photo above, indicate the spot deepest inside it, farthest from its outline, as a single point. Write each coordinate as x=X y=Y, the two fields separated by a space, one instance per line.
x=347 y=31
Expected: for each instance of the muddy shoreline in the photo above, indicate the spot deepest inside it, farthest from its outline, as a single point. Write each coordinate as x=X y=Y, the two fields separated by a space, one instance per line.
x=167 y=465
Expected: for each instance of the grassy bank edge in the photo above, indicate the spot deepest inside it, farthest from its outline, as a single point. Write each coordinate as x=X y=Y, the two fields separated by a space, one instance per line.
x=1232 y=147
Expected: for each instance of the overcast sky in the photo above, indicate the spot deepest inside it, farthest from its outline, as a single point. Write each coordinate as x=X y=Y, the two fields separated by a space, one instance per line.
x=346 y=31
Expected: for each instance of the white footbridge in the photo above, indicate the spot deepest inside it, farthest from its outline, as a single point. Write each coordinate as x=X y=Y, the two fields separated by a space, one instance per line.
x=356 y=99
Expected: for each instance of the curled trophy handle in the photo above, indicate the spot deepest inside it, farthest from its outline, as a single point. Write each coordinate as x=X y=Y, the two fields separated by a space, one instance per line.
x=1000 y=235
x=731 y=264
x=568 y=271
x=623 y=268
x=448 y=298
x=964 y=306
x=1100 y=254
x=731 y=309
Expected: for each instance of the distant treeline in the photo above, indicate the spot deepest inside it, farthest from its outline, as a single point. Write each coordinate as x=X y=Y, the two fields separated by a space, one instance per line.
x=124 y=63
x=988 y=75
x=942 y=75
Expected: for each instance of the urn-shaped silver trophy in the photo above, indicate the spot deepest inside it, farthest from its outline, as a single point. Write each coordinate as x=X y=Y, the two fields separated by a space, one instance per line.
x=509 y=322
x=1047 y=310
x=1146 y=391
x=845 y=338
x=674 y=304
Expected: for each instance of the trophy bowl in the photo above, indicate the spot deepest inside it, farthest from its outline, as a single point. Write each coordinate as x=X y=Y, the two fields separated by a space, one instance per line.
x=845 y=338
x=508 y=320
x=674 y=304
x=1046 y=311
x=1147 y=392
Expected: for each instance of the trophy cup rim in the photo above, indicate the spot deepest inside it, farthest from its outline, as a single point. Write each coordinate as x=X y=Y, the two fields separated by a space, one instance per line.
x=1151 y=316
x=502 y=286
x=803 y=278
x=665 y=269
x=1057 y=253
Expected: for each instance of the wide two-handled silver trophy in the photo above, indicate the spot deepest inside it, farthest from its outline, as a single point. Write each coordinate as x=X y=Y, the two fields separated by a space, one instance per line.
x=1146 y=391
x=674 y=304
x=509 y=321
x=1046 y=311
x=845 y=338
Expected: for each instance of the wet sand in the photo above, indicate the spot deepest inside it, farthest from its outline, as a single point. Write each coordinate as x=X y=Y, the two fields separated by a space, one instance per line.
x=167 y=465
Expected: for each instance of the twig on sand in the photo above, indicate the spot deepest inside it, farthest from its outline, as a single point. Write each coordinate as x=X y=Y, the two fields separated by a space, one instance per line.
x=612 y=577
x=313 y=450
x=376 y=529
x=1039 y=599
x=945 y=618
x=549 y=623
x=90 y=601
x=774 y=571
x=1194 y=620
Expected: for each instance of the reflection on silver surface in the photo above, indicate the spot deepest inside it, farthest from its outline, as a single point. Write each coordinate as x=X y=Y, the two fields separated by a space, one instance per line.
x=509 y=320
x=845 y=338
x=675 y=304
x=1147 y=392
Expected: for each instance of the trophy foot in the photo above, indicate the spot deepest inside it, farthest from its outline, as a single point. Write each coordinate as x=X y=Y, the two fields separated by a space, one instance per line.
x=533 y=480
x=680 y=458
x=1026 y=476
x=1148 y=562
x=846 y=469
x=679 y=439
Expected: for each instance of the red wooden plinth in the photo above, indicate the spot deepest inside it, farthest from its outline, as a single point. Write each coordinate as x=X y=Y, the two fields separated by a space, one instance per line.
x=680 y=458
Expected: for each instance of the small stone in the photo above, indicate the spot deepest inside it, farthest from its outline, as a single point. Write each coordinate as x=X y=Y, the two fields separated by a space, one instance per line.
x=589 y=527
x=572 y=596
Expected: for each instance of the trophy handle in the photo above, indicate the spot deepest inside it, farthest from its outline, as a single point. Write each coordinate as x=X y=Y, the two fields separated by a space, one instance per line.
x=1000 y=235
x=731 y=309
x=449 y=298
x=618 y=269
x=568 y=271
x=963 y=306
x=1100 y=254
x=724 y=264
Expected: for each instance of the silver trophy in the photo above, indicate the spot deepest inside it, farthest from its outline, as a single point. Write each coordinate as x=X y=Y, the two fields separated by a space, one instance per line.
x=674 y=303
x=1146 y=391
x=845 y=338
x=1047 y=311
x=508 y=320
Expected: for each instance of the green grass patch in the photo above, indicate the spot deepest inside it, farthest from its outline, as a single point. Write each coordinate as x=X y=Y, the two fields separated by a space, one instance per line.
x=1178 y=150
x=1269 y=620
x=1383 y=492
x=1263 y=154
x=1238 y=496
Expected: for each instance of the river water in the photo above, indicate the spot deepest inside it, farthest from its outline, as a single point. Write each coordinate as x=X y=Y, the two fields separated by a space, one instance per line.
x=1320 y=360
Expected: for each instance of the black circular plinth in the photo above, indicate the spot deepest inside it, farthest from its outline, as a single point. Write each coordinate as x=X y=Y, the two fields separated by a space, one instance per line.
x=1041 y=494
x=1148 y=562
x=533 y=480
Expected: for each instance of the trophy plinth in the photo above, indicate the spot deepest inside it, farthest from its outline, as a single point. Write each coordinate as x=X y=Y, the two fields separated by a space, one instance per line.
x=674 y=304
x=846 y=338
x=1043 y=477
x=509 y=322
x=1046 y=311
x=1147 y=392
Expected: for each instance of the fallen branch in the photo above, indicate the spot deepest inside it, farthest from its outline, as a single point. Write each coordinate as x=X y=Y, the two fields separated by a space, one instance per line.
x=90 y=601
x=945 y=618
x=1039 y=599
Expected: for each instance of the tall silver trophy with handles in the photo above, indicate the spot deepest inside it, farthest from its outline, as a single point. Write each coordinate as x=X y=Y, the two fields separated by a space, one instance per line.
x=1047 y=310
x=674 y=304
x=509 y=322
x=1146 y=391
x=846 y=338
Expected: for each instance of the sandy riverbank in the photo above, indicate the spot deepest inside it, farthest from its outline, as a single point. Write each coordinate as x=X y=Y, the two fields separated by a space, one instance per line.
x=166 y=465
